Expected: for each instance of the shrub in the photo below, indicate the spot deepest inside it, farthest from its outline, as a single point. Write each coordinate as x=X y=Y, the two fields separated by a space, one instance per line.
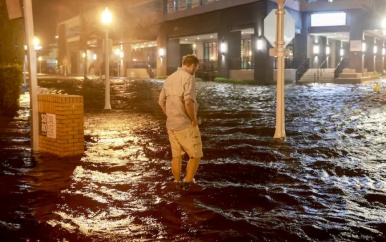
x=11 y=78
x=160 y=77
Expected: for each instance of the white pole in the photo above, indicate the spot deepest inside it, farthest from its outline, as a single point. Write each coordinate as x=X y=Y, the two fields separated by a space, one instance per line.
x=29 y=29
x=107 y=73
x=280 y=105
x=118 y=67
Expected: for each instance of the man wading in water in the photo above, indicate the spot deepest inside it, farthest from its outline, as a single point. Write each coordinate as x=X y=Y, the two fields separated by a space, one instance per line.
x=178 y=101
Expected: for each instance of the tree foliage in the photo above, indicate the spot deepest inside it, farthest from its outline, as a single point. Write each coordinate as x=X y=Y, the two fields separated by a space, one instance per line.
x=11 y=60
x=12 y=38
x=11 y=77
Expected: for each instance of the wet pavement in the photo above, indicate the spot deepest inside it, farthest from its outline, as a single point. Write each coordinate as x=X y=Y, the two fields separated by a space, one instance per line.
x=326 y=182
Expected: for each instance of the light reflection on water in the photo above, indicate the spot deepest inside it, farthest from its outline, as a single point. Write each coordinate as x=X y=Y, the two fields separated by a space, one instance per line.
x=325 y=182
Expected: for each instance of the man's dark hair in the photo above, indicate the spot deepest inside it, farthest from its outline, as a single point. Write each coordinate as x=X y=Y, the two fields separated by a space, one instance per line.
x=189 y=60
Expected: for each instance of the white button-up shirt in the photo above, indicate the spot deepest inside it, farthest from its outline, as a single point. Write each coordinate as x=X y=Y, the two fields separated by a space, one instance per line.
x=178 y=87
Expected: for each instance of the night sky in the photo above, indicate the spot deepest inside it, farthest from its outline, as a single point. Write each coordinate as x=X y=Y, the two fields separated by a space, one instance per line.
x=47 y=13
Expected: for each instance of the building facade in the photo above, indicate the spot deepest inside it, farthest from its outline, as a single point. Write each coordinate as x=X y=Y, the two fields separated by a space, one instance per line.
x=228 y=37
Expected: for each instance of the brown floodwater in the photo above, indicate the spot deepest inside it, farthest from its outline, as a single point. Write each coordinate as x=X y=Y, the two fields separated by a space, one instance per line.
x=325 y=182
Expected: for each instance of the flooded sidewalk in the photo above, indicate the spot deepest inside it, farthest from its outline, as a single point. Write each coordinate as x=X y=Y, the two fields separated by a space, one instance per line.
x=326 y=182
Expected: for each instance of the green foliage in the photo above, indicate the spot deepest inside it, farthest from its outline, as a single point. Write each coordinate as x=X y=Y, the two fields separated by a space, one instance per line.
x=11 y=78
x=234 y=81
x=11 y=60
x=160 y=77
x=12 y=38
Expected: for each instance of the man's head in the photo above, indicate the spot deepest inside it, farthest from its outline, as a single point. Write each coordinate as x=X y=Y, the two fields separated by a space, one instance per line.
x=190 y=63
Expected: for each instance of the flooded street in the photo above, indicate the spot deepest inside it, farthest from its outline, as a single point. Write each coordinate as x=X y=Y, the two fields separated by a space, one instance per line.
x=326 y=182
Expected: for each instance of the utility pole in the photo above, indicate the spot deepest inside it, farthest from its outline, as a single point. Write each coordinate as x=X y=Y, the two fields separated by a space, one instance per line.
x=29 y=30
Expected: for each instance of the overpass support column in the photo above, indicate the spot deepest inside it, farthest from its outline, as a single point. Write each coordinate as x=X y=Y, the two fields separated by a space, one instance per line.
x=378 y=56
x=369 y=54
x=356 y=34
x=162 y=54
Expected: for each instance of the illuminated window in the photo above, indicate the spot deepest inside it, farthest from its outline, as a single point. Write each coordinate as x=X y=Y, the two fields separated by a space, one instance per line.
x=210 y=51
x=182 y=4
x=195 y=3
x=328 y=50
x=171 y=6
x=341 y=52
x=246 y=54
x=364 y=47
x=316 y=49
x=328 y=19
x=212 y=1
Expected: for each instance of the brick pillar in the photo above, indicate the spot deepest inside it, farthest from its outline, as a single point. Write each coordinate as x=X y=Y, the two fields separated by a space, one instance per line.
x=61 y=124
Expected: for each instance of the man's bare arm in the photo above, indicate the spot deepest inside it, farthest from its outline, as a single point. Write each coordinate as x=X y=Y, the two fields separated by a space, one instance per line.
x=189 y=106
x=163 y=107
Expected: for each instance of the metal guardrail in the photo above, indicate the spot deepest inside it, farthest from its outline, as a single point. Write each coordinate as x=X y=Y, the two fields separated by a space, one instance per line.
x=339 y=68
x=321 y=69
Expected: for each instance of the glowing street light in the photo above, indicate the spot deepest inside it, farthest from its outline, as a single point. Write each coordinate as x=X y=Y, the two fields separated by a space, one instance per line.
x=36 y=42
x=106 y=20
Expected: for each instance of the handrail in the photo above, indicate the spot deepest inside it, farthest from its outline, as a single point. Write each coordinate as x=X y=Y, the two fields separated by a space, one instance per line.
x=302 y=69
x=320 y=73
x=339 y=68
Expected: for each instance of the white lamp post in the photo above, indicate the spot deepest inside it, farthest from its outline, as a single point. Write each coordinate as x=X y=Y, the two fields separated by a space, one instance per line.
x=121 y=54
x=106 y=20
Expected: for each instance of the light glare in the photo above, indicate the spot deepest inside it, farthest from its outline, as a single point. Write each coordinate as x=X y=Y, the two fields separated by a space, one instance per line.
x=328 y=19
x=364 y=47
x=316 y=49
x=106 y=17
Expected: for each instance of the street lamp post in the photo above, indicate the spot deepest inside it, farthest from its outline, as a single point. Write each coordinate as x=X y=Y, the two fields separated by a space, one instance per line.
x=25 y=66
x=120 y=54
x=106 y=20
x=40 y=64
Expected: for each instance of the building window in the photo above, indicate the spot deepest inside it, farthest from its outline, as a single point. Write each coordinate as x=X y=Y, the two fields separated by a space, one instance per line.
x=212 y=1
x=179 y=5
x=182 y=4
x=171 y=6
x=328 y=19
x=194 y=3
x=246 y=54
x=209 y=65
x=210 y=51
